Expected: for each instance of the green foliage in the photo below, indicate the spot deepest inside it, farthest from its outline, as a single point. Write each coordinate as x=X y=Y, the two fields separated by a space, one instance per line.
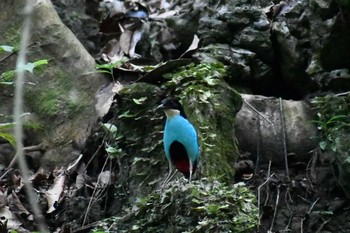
x=200 y=206
x=7 y=135
x=111 y=144
x=7 y=48
x=333 y=122
x=198 y=78
x=211 y=105
x=7 y=77
x=108 y=67
x=6 y=130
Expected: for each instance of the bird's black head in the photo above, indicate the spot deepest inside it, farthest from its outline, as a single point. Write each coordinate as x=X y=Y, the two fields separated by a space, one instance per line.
x=172 y=103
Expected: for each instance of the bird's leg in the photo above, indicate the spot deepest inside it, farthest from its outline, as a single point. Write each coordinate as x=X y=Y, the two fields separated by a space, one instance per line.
x=191 y=169
x=170 y=175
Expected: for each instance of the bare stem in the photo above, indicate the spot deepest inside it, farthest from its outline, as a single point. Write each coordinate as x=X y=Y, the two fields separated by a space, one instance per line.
x=18 y=110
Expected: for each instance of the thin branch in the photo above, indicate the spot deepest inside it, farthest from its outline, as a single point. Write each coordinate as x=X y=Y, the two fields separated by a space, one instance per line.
x=312 y=206
x=276 y=205
x=267 y=180
x=39 y=147
x=18 y=110
x=94 y=192
x=264 y=117
x=322 y=225
x=289 y=209
x=257 y=162
x=343 y=93
x=283 y=131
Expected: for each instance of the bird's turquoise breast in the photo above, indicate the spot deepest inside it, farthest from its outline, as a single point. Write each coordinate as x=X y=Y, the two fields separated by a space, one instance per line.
x=180 y=129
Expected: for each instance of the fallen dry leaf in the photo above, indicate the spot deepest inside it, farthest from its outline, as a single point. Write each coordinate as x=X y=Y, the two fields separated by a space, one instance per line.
x=16 y=205
x=6 y=216
x=54 y=194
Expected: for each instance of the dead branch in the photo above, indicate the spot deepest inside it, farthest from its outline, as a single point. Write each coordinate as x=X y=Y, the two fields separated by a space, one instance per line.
x=40 y=147
x=276 y=204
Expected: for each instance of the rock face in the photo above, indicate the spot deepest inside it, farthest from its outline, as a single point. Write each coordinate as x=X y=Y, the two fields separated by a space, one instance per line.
x=60 y=98
x=296 y=46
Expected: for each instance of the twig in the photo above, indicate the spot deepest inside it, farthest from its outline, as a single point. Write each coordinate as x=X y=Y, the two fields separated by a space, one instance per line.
x=267 y=180
x=18 y=110
x=39 y=147
x=276 y=204
x=268 y=187
x=289 y=209
x=257 y=162
x=98 y=149
x=322 y=225
x=312 y=206
x=343 y=93
x=3 y=175
x=93 y=193
x=283 y=131
x=310 y=168
x=255 y=110
x=302 y=225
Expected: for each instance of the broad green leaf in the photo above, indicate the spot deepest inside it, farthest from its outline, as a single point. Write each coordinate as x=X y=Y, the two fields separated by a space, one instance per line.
x=111 y=150
x=110 y=127
x=140 y=100
x=40 y=62
x=28 y=67
x=323 y=145
x=6 y=48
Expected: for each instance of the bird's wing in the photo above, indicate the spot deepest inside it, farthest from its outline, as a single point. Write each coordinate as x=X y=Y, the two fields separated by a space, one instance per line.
x=181 y=130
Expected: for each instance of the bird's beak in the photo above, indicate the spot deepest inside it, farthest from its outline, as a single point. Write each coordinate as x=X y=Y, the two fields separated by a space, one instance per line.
x=160 y=107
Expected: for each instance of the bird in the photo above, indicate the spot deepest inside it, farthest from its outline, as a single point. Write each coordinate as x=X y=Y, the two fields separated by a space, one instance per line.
x=179 y=139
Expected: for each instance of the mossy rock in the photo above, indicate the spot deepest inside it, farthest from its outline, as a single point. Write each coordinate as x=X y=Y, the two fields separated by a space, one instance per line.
x=140 y=137
x=210 y=104
x=200 y=206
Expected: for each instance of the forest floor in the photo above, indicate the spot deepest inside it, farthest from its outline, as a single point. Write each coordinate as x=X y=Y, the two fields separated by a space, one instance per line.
x=306 y=198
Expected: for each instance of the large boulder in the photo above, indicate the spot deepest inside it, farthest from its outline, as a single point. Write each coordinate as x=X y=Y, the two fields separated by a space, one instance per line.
x=60 y=98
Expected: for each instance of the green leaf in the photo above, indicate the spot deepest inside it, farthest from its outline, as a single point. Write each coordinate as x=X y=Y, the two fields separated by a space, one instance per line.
x=28 y=67
x=9 y=137
x=110 y=127
x=41 y=62
x=140 y=100
x=111 y=150
x=6 y=48
x=109 y=66
x=323 y=145
x=127 y=115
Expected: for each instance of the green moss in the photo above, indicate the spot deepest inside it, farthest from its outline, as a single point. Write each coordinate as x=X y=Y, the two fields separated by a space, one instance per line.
x=45 y=103
x=140 y=129
x=59 y=98
x=202 y=206
x=12 y=36
x=211 y=105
